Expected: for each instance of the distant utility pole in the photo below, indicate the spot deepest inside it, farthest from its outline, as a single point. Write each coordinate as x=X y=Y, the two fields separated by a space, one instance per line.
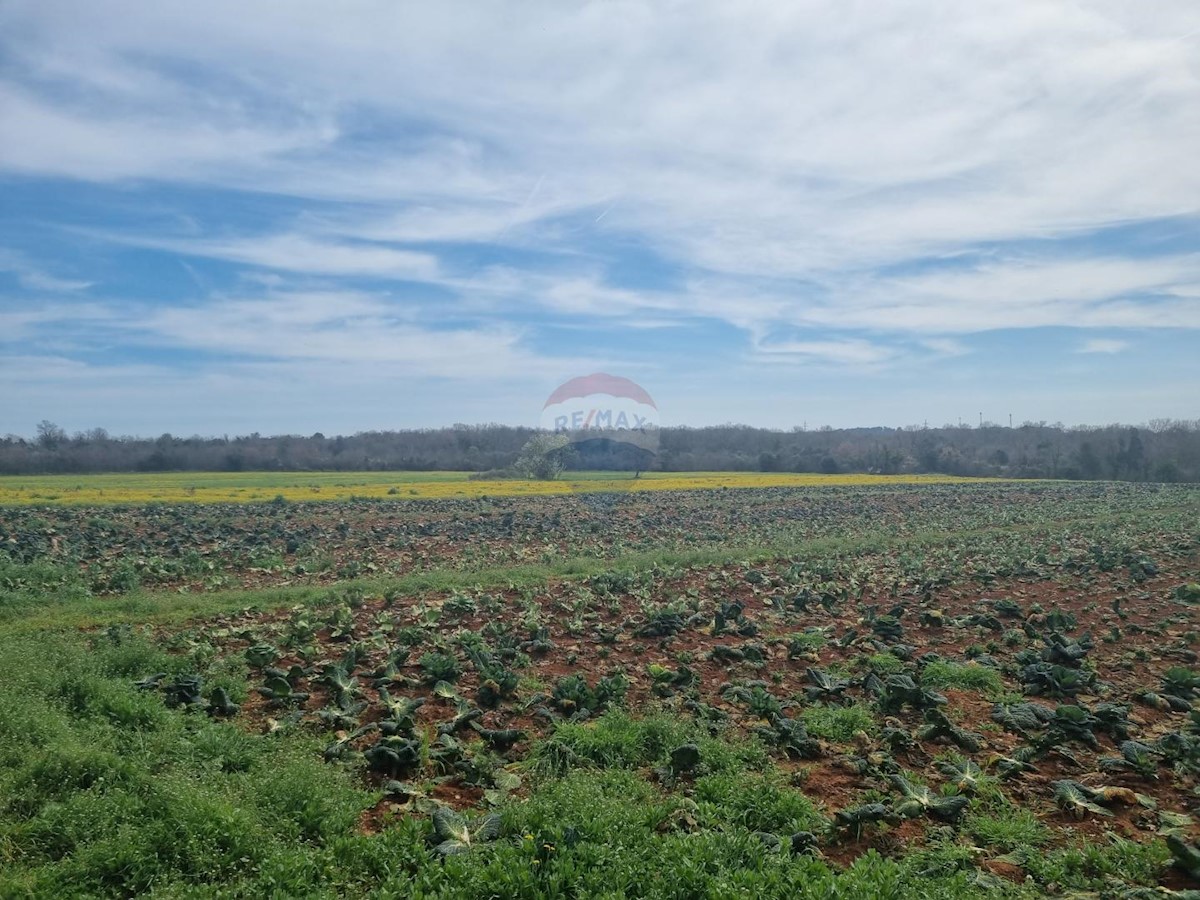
x=1010 y=420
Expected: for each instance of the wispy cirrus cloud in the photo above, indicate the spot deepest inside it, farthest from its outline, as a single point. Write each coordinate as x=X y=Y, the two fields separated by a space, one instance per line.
x=350 y=329
x=854 y=352
x=37 y=279
x=1087 y=292
x=297 y=253
x=1102 y=345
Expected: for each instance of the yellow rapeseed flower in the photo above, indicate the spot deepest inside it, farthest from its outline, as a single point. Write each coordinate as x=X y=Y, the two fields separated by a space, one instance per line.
x=263 y=487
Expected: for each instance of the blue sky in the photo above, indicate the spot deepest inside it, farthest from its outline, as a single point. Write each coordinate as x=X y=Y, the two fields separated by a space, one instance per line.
x=221 y=218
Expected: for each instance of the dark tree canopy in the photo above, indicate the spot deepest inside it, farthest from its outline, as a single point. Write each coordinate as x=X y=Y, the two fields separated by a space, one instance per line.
x=1164 y=450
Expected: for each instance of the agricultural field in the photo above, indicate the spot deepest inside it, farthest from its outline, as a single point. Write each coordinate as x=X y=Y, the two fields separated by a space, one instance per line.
x=672 y=691
x=256 y=487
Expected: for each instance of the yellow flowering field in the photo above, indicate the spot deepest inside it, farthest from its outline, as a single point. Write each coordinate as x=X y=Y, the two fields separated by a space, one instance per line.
x=250 y=487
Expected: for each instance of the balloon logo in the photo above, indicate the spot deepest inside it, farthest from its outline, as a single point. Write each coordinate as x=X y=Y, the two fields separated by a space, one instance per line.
x=611 y=422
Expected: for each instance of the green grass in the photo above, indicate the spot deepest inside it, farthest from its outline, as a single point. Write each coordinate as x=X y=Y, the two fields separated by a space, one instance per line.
x=968 y=677
x=805 y=642
x=885 y=663
x=106 y=792
x=1093 y=867
x=618 y=740
x=757 y=801
x=613 y=835
x=838 y=723
x=1007 y=828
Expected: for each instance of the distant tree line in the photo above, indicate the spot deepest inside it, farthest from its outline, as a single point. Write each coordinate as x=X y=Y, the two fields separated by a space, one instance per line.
x=1162 y=450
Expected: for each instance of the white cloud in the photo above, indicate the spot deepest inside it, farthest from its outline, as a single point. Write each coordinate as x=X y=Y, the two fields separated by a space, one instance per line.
x=946 y=347
x=1102 y=345
x=353 y=329
x=1019 y=293
x=844 y=352
x=803 y=168
x=299 y=253
x=36 y=278
x=57 y=140
x=41 y=282
x=23 y=321
x=762 y=138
